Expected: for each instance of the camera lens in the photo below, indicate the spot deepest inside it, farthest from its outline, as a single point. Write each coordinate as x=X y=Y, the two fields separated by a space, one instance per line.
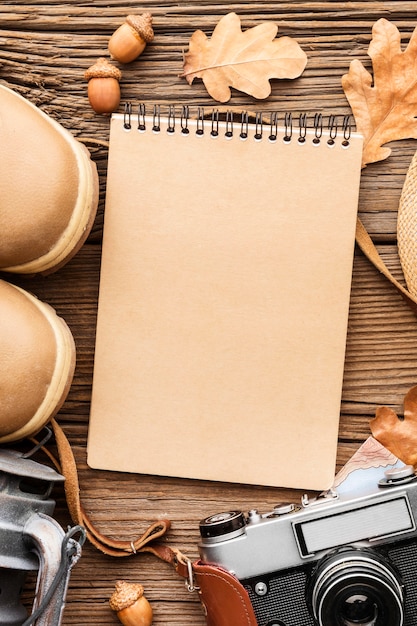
x=356 y=587
x=358 y=608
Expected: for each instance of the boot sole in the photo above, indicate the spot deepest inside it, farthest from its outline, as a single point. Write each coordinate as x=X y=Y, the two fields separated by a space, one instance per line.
x=62 y=376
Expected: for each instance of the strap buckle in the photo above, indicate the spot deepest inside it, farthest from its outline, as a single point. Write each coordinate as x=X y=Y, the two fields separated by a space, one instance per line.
x=189 y=583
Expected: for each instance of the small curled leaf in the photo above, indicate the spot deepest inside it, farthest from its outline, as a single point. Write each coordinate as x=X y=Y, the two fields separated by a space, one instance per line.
x=399 y=436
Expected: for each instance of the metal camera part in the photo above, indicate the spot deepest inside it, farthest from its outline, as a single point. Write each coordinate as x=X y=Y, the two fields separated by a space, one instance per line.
x=356 y=587
x=215 y=527
x=31 y=540
x=345 y=558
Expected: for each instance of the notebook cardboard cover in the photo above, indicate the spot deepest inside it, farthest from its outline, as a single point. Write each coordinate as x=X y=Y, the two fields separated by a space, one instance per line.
x=223 y=306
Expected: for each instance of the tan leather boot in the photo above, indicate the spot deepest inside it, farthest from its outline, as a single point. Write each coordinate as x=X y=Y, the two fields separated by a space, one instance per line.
x=37 y=360
x=48 y=189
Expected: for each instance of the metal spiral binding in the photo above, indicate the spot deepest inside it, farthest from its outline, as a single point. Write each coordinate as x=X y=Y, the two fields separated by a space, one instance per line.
x=334 y=129
x=318 y=128
x=347 y=130
x=127 y=116
x=200 y=122
x=332 y=126
x=156 y=124
x=215 y=123
x=184 y=120
x=288 y=127
x=244 y=126
x=258 y=127
x=302 y=126
x=229 y=125
x=171 y=119
x=141 y=118
x=273 y=126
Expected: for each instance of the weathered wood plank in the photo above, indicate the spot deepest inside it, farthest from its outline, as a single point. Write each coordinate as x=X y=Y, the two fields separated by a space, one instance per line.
x=45 y=48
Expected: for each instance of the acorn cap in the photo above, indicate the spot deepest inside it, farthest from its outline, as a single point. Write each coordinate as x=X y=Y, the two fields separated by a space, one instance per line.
x=142 y=24
x=125 y=595
x=102 y=69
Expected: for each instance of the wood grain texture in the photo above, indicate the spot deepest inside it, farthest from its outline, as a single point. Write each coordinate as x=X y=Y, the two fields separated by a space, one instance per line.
x=44 y=51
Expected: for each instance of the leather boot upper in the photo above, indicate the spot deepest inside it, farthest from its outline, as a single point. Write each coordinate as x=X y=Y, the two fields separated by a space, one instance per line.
x=43 y=181
x=36 y=362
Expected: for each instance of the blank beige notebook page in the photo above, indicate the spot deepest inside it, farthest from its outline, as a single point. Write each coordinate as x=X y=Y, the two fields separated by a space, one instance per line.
x=223 y=305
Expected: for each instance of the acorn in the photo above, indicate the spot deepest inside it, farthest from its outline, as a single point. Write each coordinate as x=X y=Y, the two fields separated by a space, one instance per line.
x=131 y=606
x=103 y=86
x=130 y=39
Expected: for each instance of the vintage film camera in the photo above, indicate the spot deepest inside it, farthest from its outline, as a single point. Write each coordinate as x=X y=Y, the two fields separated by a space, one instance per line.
x=345 y=558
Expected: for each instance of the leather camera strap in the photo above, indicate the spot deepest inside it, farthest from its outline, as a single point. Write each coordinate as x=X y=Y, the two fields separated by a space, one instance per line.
x=367 y=246
x=147 y=542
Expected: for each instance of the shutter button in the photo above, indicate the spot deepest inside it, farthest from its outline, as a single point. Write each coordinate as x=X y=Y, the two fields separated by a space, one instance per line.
x=283 y=508
x=398 y=476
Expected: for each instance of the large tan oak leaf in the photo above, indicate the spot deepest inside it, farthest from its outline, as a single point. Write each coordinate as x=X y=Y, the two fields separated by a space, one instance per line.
x=384 y=108
x=245 y=60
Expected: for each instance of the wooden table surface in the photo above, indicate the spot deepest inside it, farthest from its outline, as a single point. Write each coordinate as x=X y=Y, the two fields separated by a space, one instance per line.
x=45 y=47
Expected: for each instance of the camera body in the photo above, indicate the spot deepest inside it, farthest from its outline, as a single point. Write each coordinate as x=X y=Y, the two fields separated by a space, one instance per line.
x=346 y=557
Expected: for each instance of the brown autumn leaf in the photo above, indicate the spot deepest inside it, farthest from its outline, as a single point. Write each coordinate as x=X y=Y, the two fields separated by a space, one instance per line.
x=399 y=436
x=384 y=108
x=243 y=60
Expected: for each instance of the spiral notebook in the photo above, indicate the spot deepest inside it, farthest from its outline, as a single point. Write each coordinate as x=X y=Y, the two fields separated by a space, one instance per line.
x=224 y=296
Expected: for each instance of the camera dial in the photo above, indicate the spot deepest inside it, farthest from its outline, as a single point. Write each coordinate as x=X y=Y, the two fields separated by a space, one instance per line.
x=398 y=476
x=222 y=526
x=354 y=587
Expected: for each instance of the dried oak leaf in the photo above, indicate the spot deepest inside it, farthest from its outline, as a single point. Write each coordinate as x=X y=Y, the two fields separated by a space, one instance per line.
x=385 y=110
x=399 y=436
x=243 y=60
